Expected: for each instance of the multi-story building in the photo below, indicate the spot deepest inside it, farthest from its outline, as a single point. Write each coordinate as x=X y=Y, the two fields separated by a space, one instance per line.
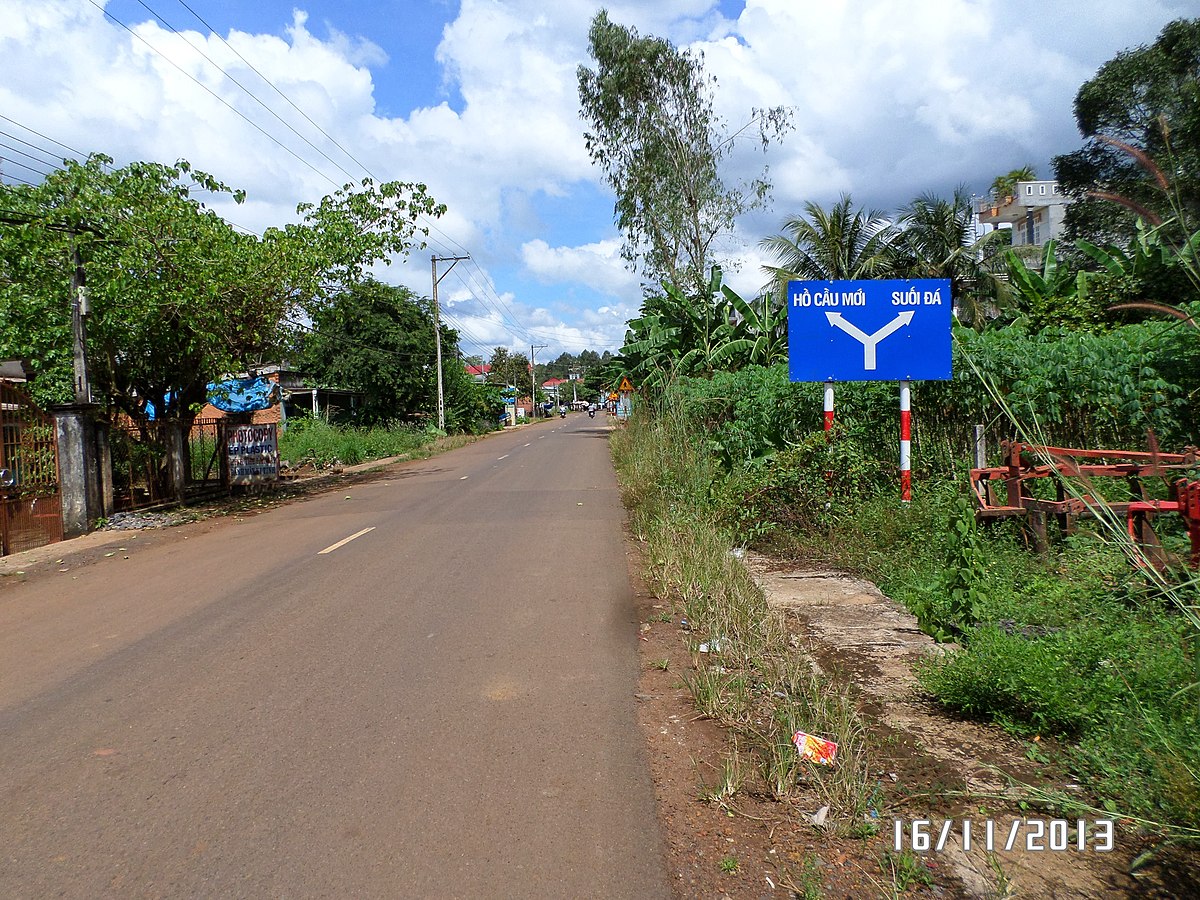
x=1035 y=212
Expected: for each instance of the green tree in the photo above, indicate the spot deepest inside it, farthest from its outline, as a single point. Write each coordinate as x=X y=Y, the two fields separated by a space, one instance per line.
x=178 y=296
x=1143 y=105
x=377 y=339
x=841 y=243
x=937 y=240
x=1004 y=187
x=508 y=368
x=1053 y=295
x=653 y=132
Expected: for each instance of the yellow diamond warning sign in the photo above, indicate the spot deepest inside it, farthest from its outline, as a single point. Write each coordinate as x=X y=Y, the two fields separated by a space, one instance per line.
x=625 y=387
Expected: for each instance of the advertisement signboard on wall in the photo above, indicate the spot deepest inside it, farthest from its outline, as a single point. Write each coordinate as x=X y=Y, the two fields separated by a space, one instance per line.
x=253 y=453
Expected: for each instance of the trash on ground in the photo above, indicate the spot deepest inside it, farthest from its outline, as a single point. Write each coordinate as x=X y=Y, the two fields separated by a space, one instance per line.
x=815 y=749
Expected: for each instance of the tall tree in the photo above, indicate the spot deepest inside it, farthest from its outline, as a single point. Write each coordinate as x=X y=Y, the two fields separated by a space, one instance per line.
x=653 y=131
x=937 y=240
x=826 y=245
x=376 y=339
x=1142 y=106
x=508 y=368
x=178 y=297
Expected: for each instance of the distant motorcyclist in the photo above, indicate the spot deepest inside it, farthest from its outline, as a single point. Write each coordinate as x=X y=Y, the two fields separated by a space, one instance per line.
x=562 y=412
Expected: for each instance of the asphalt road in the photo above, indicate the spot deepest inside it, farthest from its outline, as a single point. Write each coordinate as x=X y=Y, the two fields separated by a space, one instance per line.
x=254 y=709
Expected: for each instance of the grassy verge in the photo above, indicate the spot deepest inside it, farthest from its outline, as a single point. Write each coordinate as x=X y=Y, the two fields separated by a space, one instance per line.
x=1093 y=658
x=1075 y=646
x=321 y=444
x=744 y=673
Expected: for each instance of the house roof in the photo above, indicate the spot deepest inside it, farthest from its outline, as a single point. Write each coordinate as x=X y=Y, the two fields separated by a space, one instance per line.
x=479 y=370
x=554 y=382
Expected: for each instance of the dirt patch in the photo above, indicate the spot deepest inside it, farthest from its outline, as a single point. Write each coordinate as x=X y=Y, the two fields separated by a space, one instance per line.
x=929 y=765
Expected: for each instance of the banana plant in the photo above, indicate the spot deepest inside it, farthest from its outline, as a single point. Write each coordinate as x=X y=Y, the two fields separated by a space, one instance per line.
x=759 y=335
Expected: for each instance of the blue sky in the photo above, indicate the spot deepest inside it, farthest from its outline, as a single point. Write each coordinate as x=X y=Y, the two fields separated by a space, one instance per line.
x=477 y=99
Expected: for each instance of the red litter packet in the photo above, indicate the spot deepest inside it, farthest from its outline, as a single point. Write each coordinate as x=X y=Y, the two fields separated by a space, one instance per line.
x=815 y=749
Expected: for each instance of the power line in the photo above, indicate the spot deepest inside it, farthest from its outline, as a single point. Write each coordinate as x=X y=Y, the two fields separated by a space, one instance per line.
x=500 y=305
x=42 y=136
x=218 y=98
x=275 y=88
x=23 y=166
x=54 y=161
x=244 y=89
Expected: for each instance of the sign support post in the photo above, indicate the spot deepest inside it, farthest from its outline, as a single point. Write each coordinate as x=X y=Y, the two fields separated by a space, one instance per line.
x=905 y=443
x=871 y=330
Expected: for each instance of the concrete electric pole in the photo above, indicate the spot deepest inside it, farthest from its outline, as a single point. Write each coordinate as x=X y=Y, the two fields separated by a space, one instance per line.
x=437 y=330
x=533 y=378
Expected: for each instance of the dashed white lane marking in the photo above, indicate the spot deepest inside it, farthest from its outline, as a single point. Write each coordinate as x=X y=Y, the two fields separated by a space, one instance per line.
x=498 y=458
x=464 y=478
x=344 y=541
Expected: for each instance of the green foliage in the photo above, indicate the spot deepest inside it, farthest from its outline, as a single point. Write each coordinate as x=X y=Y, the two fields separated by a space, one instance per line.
x=178 y=297
x=1146 y=98
x=1074 y=388
x=508 y=368
x=937 y=240
x=841 y=243
x=1053 y=296
x=377 y=340
x=653 y=132
x=1005 y=186
x=957 y=596
x=322 y=444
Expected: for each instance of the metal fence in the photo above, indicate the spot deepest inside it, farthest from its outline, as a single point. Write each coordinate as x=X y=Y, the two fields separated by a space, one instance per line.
x=30 y=500
x=141 y=461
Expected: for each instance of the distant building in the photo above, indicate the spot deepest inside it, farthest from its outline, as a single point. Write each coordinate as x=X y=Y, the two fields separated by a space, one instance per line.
x=1035 y=212
x=479 y=373
x=551 y=387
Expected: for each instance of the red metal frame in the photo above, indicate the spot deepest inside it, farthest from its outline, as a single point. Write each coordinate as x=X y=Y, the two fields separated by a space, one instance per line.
x=1025 y=462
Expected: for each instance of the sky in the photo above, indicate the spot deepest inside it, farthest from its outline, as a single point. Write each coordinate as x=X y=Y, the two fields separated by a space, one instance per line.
x=478 y=100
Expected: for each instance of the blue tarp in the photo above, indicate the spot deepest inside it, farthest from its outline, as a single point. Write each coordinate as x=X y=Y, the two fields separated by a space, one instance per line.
x=243 y=394
x=234 y=396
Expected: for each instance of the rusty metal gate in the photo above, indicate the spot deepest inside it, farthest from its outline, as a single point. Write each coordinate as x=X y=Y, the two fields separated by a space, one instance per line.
x=30 y=503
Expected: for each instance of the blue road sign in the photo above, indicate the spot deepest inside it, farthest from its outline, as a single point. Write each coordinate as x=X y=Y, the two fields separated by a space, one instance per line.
x=869 y=330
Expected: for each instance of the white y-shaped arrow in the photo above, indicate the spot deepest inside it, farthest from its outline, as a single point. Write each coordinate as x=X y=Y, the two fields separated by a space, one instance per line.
x=869 y=341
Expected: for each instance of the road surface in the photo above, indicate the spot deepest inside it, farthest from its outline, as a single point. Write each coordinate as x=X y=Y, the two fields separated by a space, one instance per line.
x=292 y=705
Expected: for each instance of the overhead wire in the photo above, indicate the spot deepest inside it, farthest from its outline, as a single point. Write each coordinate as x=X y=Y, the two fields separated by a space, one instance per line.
x=480 y=286
x=42 y=136
x=219 y=98
x=245 y=89
x=483 y=287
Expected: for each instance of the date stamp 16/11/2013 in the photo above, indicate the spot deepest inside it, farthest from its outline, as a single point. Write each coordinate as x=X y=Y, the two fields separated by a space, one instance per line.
x=1017 y=836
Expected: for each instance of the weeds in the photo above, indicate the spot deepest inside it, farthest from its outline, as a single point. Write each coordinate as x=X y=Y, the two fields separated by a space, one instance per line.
x=744 y=674
x=322 y=444
x=906 y=869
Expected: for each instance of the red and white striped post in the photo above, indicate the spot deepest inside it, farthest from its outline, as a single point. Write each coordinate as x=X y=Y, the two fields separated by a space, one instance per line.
x=905 y=443
x=828 y=405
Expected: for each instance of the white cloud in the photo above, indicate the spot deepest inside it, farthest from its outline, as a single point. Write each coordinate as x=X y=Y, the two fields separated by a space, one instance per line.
x=890 y=99
x=598 y=265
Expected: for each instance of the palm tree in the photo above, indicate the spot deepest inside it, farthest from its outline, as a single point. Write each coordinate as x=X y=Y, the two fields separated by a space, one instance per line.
x=1005 y=186
x=843 y=243
x=938 y=240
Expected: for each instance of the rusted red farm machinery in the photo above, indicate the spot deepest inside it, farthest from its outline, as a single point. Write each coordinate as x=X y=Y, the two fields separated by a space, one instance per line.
x=1006 y=491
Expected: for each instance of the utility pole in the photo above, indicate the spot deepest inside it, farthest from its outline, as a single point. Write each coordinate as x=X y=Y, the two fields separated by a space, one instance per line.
x=437 y=330
x=79 y=314
x=533 y=378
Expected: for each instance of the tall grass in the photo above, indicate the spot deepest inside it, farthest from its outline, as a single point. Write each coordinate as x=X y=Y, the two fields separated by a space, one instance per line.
x=750 y=679
x=321 y=444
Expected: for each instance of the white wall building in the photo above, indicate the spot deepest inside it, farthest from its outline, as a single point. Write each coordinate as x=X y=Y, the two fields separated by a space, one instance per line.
x=1035 y=212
